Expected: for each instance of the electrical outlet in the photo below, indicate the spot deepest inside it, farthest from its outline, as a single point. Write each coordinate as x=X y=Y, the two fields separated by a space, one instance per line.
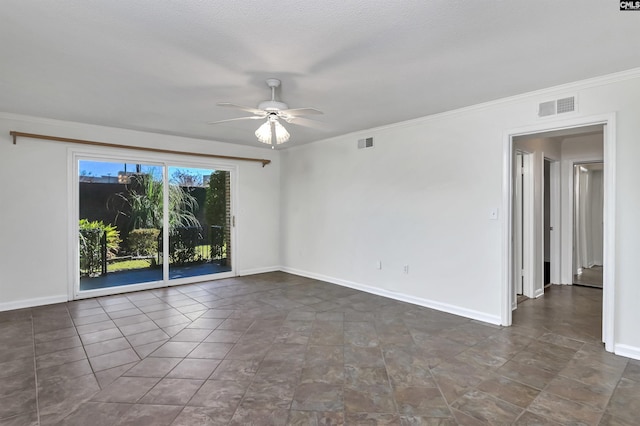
x=406 y=269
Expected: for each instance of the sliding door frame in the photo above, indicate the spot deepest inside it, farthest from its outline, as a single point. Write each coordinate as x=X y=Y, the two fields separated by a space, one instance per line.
x=161 y=160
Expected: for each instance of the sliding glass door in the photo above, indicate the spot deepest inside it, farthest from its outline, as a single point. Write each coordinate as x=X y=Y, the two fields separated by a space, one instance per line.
x=145 y=224
x=199 y=222
x=120 y=219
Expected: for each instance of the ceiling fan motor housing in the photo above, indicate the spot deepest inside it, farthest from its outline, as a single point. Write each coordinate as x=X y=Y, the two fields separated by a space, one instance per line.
x=272 y=106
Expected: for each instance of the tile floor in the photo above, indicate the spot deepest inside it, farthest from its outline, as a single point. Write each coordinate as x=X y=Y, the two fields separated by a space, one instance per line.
x=276 y=349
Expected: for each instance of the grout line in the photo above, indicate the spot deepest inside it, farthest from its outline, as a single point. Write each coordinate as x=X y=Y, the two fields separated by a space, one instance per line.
x=35 y=368
x=217 y=366
x=384 y=361
x=256 y=373
x=304 y=363
x=93 y=373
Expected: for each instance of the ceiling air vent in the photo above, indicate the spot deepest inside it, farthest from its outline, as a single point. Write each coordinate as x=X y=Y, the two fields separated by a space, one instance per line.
x=365 y=143
x=557 y=106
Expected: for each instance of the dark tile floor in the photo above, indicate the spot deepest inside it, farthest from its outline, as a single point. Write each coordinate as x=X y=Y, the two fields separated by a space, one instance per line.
x=280 y=349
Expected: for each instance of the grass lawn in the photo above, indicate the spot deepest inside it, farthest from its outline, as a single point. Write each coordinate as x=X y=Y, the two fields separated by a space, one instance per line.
x=127 y=265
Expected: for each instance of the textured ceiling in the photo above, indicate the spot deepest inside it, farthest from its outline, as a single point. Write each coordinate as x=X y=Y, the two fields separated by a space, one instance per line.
x=163 y=65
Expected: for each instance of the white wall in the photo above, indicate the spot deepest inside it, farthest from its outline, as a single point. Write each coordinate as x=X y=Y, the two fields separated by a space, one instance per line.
x=34 y=215
x=422 y=197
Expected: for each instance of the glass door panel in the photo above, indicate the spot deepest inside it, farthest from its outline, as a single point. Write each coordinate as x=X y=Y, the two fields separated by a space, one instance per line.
x=120 y=227
x=199 y=222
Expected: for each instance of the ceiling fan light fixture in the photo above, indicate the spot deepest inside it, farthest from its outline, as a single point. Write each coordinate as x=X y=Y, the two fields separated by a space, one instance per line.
x=271 y=128
x=281 y=133
x=264 y=132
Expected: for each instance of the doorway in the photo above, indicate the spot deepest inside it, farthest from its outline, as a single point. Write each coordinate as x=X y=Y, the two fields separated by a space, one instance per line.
x=588 y=205
x=547 y=224
x=531 y=227
x=558 y=262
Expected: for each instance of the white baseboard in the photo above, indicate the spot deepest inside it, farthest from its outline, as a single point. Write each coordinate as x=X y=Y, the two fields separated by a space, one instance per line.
x=626 y=350
x=444 y=307
x=259 y=270
x=30 y=303
x=439 y=306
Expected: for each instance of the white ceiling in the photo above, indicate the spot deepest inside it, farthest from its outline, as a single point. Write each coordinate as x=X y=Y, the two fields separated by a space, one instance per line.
x=163 y=65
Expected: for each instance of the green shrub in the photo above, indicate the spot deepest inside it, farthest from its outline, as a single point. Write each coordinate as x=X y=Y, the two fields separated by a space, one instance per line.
x=143 y=242
x=144 y=197
x=181 y=253
x=91 y=235
x=182 y=245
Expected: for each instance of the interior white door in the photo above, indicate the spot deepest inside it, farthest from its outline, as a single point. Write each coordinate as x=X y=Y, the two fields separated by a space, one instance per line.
x=518 y=225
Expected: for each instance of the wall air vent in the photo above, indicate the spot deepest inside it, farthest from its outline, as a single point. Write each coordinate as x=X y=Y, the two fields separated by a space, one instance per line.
x=566 y=105
x=546 y=109
x=557 y=106
x=365 y=143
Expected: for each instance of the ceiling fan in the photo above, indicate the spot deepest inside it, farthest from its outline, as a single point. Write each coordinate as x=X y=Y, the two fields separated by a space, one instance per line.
x=272 y=132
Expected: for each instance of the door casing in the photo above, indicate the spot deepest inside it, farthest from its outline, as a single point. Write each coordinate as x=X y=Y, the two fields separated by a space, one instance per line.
x=608 y=304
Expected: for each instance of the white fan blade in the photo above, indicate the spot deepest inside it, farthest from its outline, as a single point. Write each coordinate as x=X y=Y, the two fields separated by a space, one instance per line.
x=255 y=111
x=305 y=122
x=255 y=117
x=295 y=112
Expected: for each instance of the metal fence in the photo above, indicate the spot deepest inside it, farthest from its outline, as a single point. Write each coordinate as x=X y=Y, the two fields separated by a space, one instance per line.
x=93 y=252
x=193 y=244
x=186 y=245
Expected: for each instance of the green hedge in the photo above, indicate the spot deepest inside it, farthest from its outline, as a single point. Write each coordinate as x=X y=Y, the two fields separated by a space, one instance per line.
x=143 y=242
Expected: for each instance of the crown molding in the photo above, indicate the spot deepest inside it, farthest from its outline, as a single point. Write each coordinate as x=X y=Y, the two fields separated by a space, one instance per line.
x=541 y=93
